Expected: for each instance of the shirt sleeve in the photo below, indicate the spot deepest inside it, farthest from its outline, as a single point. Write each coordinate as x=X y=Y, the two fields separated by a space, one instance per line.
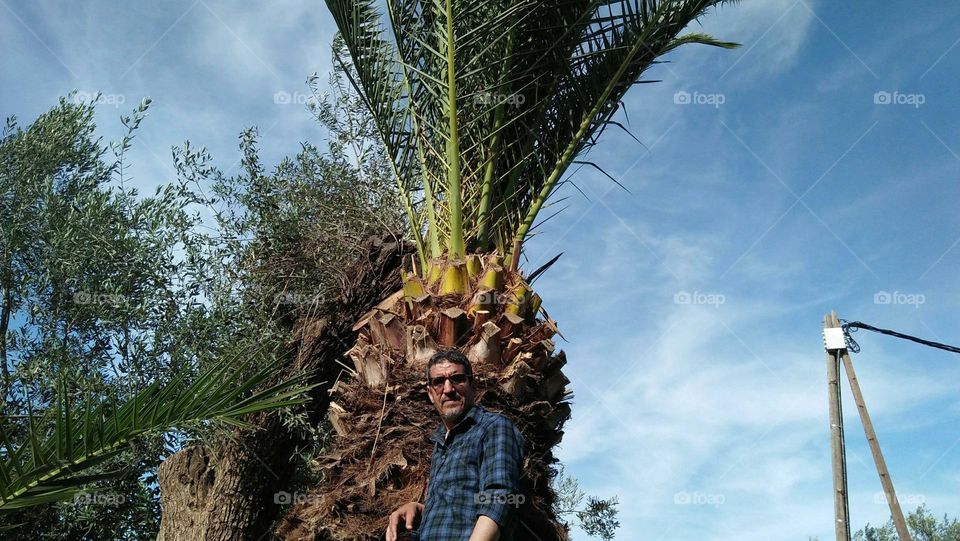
x=503 y=451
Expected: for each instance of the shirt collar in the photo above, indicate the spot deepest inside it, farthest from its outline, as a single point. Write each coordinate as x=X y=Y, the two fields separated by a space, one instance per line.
x=472 y=416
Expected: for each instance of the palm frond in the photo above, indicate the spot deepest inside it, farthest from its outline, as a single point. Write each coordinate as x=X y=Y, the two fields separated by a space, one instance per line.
x=62 y=443
x=375 y=73
x=484 y=105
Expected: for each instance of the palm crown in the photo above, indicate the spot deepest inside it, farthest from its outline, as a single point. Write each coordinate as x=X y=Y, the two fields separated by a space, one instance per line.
x=483 y=105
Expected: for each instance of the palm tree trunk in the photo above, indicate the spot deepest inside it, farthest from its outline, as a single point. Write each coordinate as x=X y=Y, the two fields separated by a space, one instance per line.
x=383 y=417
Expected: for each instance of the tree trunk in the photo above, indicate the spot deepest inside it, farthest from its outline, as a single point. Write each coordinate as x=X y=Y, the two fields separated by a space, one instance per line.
x=222 y=494
x=230 y=493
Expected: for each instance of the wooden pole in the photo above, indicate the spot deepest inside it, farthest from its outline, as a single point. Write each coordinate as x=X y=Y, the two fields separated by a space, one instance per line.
x=885 y=480
x=840 y=506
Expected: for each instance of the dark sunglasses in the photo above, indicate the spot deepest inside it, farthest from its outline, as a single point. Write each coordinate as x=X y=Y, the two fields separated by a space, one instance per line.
x=456 y=379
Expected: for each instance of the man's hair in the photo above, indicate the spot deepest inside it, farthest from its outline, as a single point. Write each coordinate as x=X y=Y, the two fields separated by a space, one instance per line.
x=452 y=356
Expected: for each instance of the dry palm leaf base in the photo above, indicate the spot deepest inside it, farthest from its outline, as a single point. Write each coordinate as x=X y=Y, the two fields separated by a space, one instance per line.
x=383 y=417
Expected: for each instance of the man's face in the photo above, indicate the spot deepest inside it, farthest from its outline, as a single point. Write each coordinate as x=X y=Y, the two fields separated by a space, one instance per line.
x=452 y=401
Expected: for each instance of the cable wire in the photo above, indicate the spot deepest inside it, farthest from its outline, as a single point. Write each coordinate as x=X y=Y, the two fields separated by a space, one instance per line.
x=853 y=326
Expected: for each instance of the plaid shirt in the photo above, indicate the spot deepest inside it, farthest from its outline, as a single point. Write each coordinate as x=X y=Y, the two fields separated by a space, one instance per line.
x=474 y=472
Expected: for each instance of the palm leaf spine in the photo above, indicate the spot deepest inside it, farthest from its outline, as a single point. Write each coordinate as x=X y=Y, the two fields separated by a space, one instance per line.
x=456 y=244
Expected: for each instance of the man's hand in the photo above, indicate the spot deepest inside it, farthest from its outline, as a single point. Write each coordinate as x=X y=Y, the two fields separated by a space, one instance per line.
x=408 y=515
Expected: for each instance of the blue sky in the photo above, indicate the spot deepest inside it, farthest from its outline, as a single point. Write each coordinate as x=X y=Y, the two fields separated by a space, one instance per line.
x=815 y=168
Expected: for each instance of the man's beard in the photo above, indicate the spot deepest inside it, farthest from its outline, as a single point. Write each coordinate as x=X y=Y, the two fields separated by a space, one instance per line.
x=454 y=413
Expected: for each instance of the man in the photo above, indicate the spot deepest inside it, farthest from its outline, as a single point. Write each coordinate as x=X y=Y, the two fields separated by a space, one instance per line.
x=473 y=490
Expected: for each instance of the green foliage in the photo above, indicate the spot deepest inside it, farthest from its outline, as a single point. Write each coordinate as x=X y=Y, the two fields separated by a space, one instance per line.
x=65 y=442
x=284 y=243
x=108 y=295
x=129 y=510
x=598 y=518
x=483 y=106
x=90 y=288
x=922 y=524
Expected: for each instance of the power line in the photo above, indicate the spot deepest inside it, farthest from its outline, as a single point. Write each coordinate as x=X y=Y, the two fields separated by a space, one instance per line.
x=853 y=326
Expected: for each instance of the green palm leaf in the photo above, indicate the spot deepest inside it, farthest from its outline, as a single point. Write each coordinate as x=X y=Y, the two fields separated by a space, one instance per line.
x=59 y=445
x=484 y=105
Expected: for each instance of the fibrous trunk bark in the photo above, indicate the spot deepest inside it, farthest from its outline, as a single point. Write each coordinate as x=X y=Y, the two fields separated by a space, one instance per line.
x=383 y=417
x=231 y=492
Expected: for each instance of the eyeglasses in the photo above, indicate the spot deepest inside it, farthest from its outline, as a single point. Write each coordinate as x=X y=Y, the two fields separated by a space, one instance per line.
x=456 y=379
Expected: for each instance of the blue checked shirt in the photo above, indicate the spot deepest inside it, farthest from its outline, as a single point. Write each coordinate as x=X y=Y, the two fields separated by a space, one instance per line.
x=474 y=472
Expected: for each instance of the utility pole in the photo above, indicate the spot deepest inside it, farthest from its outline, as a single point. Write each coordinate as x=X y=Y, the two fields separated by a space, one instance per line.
x=836 y=347
x=841 y=510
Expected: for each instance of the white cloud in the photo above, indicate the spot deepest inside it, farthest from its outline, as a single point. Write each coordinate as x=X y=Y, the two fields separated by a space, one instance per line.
x=771 y=33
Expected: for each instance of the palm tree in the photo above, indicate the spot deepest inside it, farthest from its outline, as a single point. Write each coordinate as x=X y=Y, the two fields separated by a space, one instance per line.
x=482 y=106
x=62 y=445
